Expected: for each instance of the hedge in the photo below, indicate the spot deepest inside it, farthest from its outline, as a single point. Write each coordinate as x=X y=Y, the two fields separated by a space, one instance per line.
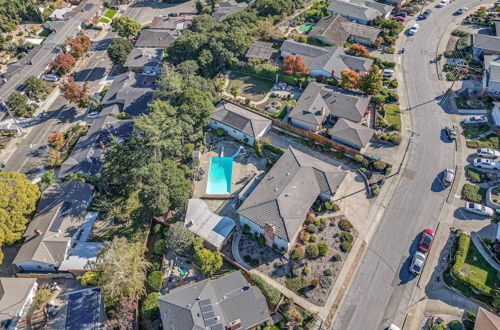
x=473 y=193
x=272 y=294
x=155 y=280
x=150 y=307
x=278 y=151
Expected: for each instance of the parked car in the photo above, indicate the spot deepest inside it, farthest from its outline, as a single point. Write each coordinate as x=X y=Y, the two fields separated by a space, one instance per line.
x=460 y=11
x=93 y=115
x=50 y=77
x=450 y=132
x=426 y=240
x=399 y=18
x=417 y=263
x=402 y=14
x=475 y=120
x=3 y=81
x=479 y=209
x=488 y=164
x=427 y=13
x=414 y=29
x=173 y=14
x=448 y=177
x=488 y=153
x=388 y=73
x=442 y=3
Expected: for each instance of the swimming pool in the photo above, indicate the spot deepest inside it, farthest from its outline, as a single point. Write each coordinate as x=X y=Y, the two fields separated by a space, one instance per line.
x=220 y=175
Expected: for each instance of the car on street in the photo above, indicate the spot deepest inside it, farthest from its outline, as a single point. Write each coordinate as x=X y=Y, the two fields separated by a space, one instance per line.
x=3 y=81
x=417 y=263
x=479 y=209
x=426 y=240
x=485 y=163
x=475 y=120
x=50 y=77
x=448 y=177
x=402 y=14
x=442 y=3
x=393 y=327
x=424 y=15
x=488 y=153
x=460 y=11
x=414 y=29
x=399 y=18
x=450 y=132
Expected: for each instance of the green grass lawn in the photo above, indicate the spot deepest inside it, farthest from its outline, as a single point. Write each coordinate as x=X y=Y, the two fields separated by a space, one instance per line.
x=473 y=131
x=479 y=269
x=45 y=33
x=393 y=116
x=253 y=88
x=491 y=141
x=110 y=13
x=104 y=20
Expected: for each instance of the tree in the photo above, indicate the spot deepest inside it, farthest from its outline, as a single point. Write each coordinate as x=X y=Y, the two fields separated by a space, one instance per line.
x=122 y=270
x=294 y=66
x=207 y=261
x=119 y=50
x=235 y=90
x=17 y=102
x=124 y=313
x=358 y=50
x=74 y=93
x=349 y=79
x=126 y=27
x=35 y=88
x=180 y=239
x=160 y=247
x=41 y=298
x=150 y=308
x=371 y=82
x=18 y=199
x=155 y=280
x=62 y=64
x=79 y=45
x=90 y=278
x=56 y=141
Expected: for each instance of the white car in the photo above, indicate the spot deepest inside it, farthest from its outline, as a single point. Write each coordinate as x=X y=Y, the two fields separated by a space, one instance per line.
x=475 y=120
x=388 y=73
x=488 y=153
x=93 y=115
x=479 y=209
x=443 y=3
x=414 y=29
x=486 y=163
x=50 y=77
x=417 y=263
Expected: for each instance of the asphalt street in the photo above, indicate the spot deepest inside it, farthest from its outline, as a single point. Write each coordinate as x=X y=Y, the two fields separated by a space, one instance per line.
x=380 y=293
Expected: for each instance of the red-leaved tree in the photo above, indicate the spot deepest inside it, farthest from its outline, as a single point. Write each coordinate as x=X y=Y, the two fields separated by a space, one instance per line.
x=350 y=79
x=358 y=50
x=294 y=66
x=74 y=93
x=63 y=64
x=79 y=45
x=124 y=313
x=56 y=141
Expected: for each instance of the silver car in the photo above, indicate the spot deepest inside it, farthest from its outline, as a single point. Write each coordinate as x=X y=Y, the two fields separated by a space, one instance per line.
x=448 y=177
x=417 y=263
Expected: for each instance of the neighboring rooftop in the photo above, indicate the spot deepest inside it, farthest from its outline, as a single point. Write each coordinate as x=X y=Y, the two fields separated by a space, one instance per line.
x=486 y=42
x=352 y=133
x=87 y=153
x=486 y=320
x=140 y=57
x=363 y=10
x=225 y=8
x=318 y=101
x=214 y=304
x=243 y=120
x=13 y=294
x=156 y=38
x=287 y=192
x=337 y=30
x=171 y=23
x=326 y=59
x=260 y=50
x=61 y=212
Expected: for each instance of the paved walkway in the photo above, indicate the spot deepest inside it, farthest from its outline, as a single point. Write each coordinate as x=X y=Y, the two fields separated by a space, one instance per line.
x=235 y=248
x=480 y=247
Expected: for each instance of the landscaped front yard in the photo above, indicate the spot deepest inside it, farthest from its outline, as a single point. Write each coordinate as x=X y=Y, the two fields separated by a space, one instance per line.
x=393 y=116
x=491 y=141
x=251 y=87
x=110 y=13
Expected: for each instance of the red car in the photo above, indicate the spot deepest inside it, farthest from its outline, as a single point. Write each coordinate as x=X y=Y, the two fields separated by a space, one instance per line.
x=399 y=18
x=426 y=240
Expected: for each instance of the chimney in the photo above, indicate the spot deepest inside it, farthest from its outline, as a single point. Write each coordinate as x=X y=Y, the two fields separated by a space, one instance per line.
x=236 y=324
x=38 y=232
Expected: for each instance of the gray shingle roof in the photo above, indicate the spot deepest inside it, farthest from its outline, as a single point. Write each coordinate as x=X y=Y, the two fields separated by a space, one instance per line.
x=238 y=118
x=86 y=155
x=57 y=218
x=365 y=10
x=351 y=132
x=156 y=38
x=327 y=59
x=13 y=293
x=320 y=100
x=260 y=49
x=171 y=23
x=486 y=42
x=288 y=191
x=225 y=8
x=140 y=57
x=336 y=29
x=230 y=297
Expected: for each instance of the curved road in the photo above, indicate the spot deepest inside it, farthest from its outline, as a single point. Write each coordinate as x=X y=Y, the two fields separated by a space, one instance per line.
x=381 y=291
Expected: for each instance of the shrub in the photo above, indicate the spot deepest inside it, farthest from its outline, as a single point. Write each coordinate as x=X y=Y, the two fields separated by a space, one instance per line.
x=379 y=98
x=313 y=238
x=306 y=270
x=150 y=308
x=345 y=225
x=337 y=257
x=314 y=282
x=468 y=324
x=155 y=280
x=157 y=228
x=325 y=282
x=358 y=158
x=323 y=248
x=311 y=228
x=41 y=298
x=296 y=284
x=375 y=191
x=379 y=165
x=278 y=264
x=220 y=131
x=338 y=154
x=296 y=254
x=345 y=246
x=261 y=240
x=246 y=228
x=160 y=247
x=332 y=206
x=257 y=148
x=394 y=84
x=455 y=325
x=328 y=272
x=304 y=237
x=272 y=294
x=90 y=278
x=473 y=193
x=276 y=150
x=255 y=236
x=471 y=316
x=395 y=139
x=473 y=175
x=296 y=271
x=312 y=250
x=346 y=237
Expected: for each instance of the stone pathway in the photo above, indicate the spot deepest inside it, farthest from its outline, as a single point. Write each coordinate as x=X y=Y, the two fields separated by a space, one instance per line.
x=479 y=246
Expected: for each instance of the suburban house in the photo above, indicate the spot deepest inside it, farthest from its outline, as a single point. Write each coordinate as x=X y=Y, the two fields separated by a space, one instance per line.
x=88 y=151
x=336 y=30
x=56 y=228
x=59 y=14
x=360 y=11
x=278 y=206
x=145 y=60
x=130 y=93
x=495 y=113
x=178 y=23
x=491 y=74
x=225 y=8
x=351 y=134
x=16 y=295
x=486 y=320
x=80 y=309
x=239 y=123
x=228 y=302
x=156 y=38
x=319 y=103
x=325 y=61
x=214 y=229
x=483 y=44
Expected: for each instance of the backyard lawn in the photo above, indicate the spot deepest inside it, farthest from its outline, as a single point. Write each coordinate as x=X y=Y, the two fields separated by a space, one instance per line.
x=110 y=13
x=253 y=88
x=479 y=269
x=393 y=116
x=491 y=141
x=104 y=20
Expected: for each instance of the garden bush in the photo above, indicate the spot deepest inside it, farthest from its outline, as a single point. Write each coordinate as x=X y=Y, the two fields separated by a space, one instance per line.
x=332 y=206
x=246 y=228
x=261 y=240
x=312 y=250
x=304 y=237
x=455 y=325
x=323 y=248
x=296 y=255
x=345 y=246
x=395 y=139
x=471 y=316
x=311 y=228
x=313 y=238
x=394 y=84
x=150 y=307
x=314 y=283
x=345 y=225
x=346 y=237
x=328 y=272
x=296 y=284
x=278 y=264
x=155 y=280
x=473 y=175
x=296 y=271
x=379 y=98
x=325 y=282
x=276 y=150
x=358 y=158
x=379 y=165
x=306 y=270
x=473 y=193
x=337 y=257
x=220 y=131
x=272 y=294
x=257 y=148
x=160 y=247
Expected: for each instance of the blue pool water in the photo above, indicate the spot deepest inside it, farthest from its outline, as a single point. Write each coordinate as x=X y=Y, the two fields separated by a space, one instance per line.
x=220 y=175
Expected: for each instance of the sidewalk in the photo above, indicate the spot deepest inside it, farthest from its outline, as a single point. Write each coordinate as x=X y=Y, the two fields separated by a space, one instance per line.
x=480 y=247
